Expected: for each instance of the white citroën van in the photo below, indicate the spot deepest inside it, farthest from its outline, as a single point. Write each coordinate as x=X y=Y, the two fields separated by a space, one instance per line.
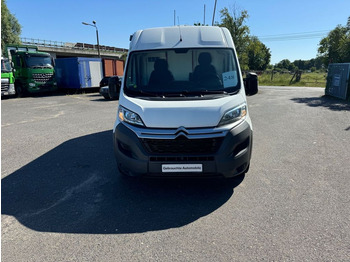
x=182 y=105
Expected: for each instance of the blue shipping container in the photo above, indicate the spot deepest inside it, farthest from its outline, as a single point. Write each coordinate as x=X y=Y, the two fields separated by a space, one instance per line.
x=78 y=72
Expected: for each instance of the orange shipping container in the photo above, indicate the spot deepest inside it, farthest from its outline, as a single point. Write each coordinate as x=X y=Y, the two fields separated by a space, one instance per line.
x=120 y=67
x=113 y=67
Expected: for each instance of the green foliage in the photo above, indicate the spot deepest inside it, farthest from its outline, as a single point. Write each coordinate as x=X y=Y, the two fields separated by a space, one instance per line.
x=258 y=55
x=252 y=53
x=235 y=23
x=286 y=64
x=303 y=65
x=10 y=28
x=335 y=47
x=309 y=64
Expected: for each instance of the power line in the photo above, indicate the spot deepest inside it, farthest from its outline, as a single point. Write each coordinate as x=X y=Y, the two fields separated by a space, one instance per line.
x=295 y=36
x=309 y=32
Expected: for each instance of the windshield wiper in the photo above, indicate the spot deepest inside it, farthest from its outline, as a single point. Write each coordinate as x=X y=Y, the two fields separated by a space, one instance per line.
x=173 y=95
x=186 y=93
x=214 y=92
x=204 y=92
x=144 y=93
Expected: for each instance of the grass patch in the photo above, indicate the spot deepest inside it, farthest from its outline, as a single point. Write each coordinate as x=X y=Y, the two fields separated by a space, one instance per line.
x=284 y=79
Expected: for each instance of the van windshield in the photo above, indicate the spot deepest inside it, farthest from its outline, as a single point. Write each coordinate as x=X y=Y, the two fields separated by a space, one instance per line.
x=182 y=72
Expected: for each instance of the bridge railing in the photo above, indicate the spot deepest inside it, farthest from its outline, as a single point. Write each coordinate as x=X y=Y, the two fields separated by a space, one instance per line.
x=66 y=45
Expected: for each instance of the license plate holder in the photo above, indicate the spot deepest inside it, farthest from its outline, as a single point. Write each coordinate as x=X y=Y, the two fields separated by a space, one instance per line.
x=182 y=168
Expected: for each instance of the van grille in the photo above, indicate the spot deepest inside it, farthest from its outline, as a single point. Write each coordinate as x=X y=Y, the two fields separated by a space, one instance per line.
x=182 y=145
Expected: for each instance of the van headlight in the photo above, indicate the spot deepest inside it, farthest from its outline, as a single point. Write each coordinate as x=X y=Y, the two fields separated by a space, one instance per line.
x=128 y=116
x=234 y=115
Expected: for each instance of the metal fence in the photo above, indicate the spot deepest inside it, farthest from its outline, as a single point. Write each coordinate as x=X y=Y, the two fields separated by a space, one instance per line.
x=40 y=42
x=66 y=45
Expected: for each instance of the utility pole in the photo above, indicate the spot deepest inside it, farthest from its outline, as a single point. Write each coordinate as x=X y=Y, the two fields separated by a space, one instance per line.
x=212 y=23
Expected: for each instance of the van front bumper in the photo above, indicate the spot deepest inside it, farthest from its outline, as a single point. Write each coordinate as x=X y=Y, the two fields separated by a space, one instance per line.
x=231 y=157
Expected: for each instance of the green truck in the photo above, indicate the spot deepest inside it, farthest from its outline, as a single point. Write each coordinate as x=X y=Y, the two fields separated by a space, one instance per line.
x=7 y=79
x=33 y=70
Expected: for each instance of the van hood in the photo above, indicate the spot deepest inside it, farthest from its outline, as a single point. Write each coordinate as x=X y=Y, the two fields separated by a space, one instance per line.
x=182 y=113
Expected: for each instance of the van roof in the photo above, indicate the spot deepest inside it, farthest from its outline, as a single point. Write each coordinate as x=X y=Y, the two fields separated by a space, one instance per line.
x=181 y=37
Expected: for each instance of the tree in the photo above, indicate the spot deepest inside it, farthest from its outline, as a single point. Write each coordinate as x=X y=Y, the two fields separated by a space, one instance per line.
x=258 y=54
x=10 y=28
x=335 y=47
x=252 y=53
x=309 y=64
x=284 y=64
x=300 y=64
x=235 y=23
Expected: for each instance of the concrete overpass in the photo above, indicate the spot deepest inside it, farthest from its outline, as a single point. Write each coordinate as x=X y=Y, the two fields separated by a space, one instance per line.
x=65 y=49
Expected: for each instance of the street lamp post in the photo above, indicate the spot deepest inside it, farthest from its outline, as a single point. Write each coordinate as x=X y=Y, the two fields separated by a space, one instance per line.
x=98 y=43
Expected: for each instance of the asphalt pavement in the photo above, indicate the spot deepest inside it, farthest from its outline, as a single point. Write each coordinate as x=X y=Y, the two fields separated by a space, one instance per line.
x=62 y=198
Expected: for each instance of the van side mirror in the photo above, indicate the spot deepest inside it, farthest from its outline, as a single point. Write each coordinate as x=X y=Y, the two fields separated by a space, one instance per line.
x=114 y=87
x=251 y=84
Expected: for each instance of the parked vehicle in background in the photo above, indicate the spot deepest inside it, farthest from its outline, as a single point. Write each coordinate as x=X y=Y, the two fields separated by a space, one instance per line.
x=110 y=87
x=7 y=78
x=104 y=87
x=104 y=81
x=78 y=72
x=33 y=70
x=182 y=107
